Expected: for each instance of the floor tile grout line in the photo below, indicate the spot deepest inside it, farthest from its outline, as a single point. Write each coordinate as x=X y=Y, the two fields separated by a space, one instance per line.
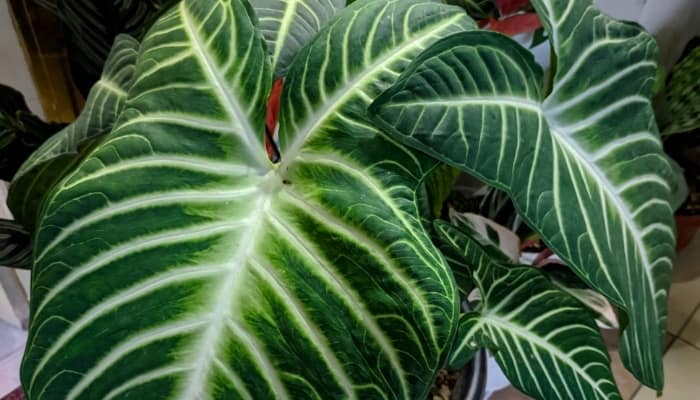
x=689 y=344
x=689 y=320
x=673 y=340
x=666 y=349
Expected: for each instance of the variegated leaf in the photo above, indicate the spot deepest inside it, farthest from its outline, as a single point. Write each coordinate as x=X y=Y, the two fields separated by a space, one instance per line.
x=64 y=150
x=177 y=262
x=584 y=166
x=545 y=341
x=288 y=25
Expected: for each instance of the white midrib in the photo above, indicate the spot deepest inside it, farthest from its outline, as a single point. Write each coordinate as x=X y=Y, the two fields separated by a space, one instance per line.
x=350 y=88
x=515 y=330
x=283 y=32
x=227 y=100
x=610 y=191
x=223 y=302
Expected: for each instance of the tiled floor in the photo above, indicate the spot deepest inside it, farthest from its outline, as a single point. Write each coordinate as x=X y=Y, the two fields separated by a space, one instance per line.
x=13 y=67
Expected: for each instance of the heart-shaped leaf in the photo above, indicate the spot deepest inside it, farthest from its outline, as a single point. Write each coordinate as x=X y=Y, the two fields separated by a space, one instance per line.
x=178 y=262
x=584 y=167
x=64 y=150
x=545 y=340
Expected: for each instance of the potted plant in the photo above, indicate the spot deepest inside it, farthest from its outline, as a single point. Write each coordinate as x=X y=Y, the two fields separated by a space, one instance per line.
x=184 y=250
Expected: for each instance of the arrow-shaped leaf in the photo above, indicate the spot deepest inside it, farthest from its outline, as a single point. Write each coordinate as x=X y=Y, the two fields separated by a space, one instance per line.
x=178 y=262
x=545 y=340
x=64 y=150
x=288 y=25
x=584 y=167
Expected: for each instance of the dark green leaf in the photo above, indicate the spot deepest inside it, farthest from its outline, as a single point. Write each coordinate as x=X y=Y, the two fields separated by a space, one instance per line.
x=178 y=262
x=60 y=154
x=584 y=167
x=21 y=132
x=545 y=341
x=92 y=27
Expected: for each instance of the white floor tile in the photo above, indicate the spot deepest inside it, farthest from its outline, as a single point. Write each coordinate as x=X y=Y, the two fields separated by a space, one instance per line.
x=681 y=365
x=691 y=332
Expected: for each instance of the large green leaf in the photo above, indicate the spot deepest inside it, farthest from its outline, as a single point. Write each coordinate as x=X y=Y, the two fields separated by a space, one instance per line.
x=288 y=25
x=178 y=262
x=63 y=151
x=584 y=167
x=545 y=340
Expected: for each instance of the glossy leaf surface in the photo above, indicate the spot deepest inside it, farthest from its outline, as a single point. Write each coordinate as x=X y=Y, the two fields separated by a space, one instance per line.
x=584 y=166
x=177 y=262
x=64 y=150
x=545 y=341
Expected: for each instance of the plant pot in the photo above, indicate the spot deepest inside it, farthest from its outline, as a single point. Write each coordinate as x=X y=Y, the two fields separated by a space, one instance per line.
x=470 y=382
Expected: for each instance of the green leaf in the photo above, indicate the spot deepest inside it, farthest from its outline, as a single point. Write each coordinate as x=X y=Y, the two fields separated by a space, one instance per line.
x=452 y=248
x=178 y=262
x=439 y=185
x=63 y=151
x=15 y=246
x=489 y=233
x=477 y=9
x=288 y=25
x=544 y=340
x=585 y=167
x=683 y=95
x=92 y=27
x=21 y=132
x=567 y=281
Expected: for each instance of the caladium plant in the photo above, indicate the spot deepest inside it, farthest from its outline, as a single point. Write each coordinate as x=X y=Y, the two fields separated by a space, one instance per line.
x=182 y=258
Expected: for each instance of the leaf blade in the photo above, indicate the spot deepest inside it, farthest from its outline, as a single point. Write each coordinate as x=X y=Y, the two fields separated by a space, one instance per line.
x=227 y=279
x=577 y=149
x=545 y=341
x=288 y=25
x=61 y=153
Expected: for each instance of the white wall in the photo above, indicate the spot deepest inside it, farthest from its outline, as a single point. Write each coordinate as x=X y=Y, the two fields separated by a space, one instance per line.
x=673 y=22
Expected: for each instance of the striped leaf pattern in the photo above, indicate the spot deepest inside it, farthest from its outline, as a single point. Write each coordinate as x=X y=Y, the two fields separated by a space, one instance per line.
x=93 y=25
x=584 y=167
x=177 y=262
x=349 y=63
x=288 y=25
x=545 y=340
x=15 y=246
x=61 y=153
